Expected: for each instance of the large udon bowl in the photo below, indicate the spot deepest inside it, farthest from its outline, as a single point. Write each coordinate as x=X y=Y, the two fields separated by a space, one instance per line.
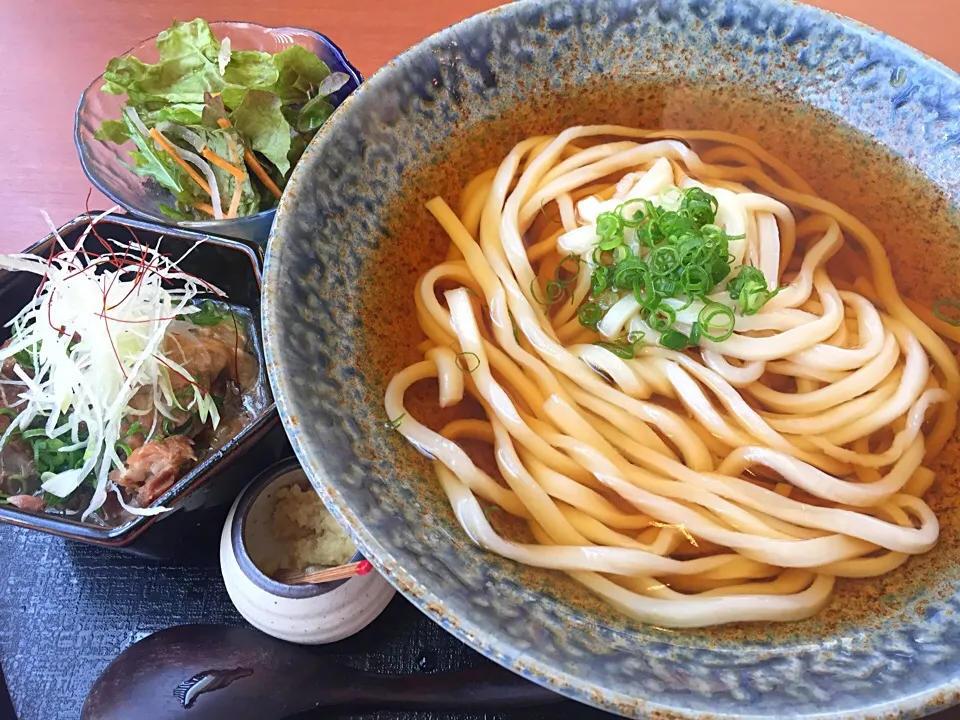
x=871 y=123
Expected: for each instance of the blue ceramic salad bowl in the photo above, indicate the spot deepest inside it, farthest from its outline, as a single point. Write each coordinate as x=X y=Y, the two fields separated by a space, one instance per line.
x=106 y=163
x=873 y=124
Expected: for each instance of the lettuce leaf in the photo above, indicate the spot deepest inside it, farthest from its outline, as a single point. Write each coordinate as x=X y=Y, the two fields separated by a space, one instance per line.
x=187 y=39
x=114 y=131
x=151 y=163
x=298 y=146
x=213 y=110
x=178 y=80
x=313 y=114
x=180 y=113
x=260 y=121
x=251 y=69
x=275 y=104
x=300 y=74
x=188 y=67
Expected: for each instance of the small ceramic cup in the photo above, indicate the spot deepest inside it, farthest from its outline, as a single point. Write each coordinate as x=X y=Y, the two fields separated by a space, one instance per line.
x=304 y=614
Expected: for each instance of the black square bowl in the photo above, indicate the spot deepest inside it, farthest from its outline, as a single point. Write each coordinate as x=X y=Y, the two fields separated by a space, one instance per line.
x=199 y=501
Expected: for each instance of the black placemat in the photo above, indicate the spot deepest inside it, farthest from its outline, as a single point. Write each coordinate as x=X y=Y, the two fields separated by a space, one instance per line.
x=66 y=610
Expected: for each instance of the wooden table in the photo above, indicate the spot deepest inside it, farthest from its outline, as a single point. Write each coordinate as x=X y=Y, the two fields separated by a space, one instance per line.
x=51 y=50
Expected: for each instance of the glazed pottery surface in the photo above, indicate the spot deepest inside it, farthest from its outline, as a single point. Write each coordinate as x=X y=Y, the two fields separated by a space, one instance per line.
x=872 y=123
x=304 y=614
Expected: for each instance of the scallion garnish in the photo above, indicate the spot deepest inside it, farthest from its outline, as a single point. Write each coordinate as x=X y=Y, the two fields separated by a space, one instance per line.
x=716 y=322
x=947 y=303
x=560 y=286
x=679 y=255
x=468 y=362
x=395 y=423
x=749 y=289
x=674 y=340
x=622 y=350
x=208 y=315
x=590 y=314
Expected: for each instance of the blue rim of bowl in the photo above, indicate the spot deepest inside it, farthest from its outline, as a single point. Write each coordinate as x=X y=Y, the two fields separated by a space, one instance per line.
x=495 y=647
x=123 y=535
x=238 y=540
x=201 y=225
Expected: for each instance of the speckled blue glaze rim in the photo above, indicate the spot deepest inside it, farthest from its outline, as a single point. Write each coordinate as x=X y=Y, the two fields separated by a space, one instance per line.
x=238 y=540
x=495 y=647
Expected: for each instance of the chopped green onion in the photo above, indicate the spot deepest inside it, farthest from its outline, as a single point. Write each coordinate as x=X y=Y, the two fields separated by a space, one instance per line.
x=674 y=340
x=695 y=333
x=637 y=217
x=695 y=280
x=463 y=362
x=560 y=266
x=661 y=318
x=686 y=256
x=600 y=279
x=664 y=260
x=610 y=230
x=559 y=286
x=170 y=429
x=395 y=423
x=749 y=289
x=624 y=351
x=534 y=292
x=208 y=316
x=947 y=303
x=590 y=315
x=554 y=291
x=708 y=320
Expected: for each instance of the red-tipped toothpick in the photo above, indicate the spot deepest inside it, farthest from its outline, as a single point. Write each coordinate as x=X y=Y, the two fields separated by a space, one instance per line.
x=341 y=572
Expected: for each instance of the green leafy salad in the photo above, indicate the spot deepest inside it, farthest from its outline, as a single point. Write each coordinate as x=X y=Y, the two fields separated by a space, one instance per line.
x=219 y=128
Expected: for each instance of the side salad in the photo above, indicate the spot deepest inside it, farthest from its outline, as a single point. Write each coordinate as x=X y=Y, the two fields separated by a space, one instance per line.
x=219 y=128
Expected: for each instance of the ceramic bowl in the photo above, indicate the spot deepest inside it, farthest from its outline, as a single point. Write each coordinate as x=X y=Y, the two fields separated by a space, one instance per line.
x=104 y=163
x=200 y=499
x=304 y=614
x=873 y=124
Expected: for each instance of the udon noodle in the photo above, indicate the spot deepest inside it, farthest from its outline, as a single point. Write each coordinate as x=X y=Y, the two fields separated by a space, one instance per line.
x=726 y=480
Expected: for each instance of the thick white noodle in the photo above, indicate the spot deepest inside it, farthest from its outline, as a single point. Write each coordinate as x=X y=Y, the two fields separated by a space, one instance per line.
x=731 y=482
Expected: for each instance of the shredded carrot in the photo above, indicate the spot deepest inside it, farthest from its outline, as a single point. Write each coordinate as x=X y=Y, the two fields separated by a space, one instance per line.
x=254 y=164
x=260 y=172
x=204 y=207
x=222 y=164
x=162 y=142
x=237 y=183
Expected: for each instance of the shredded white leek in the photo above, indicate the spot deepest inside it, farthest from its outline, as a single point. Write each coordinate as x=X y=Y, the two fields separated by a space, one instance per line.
x=223 y=59
x=95 y=336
